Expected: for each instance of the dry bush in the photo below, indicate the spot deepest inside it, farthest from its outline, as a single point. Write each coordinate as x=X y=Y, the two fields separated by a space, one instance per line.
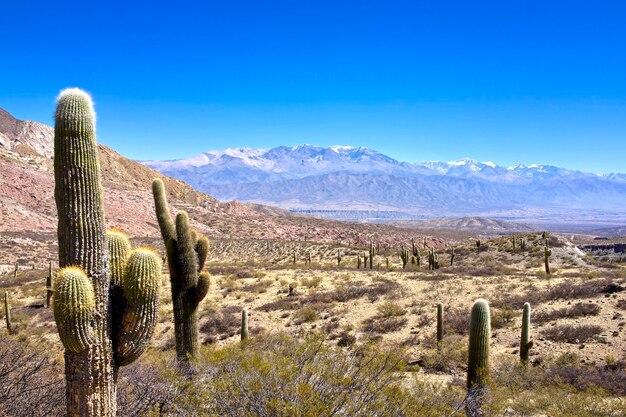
x=30 y=383
x=577 y=310
x=571 y=334
x=457 y=321
x=621 y=304
x=376 y=325
x=312 y=282
x=564 y=291
x=282 y=376
x=221 y=324
x=502 y=317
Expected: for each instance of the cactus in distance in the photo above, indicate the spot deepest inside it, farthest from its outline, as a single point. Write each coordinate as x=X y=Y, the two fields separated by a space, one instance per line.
x=7 y=313
x=525 y=343
x=339 y=257
x=244 y=325
x=416 y=253
x=371 y=255
x=439 y=324
x=85 y=308
x=404 y=256
x=547 y=252
x=186 y=254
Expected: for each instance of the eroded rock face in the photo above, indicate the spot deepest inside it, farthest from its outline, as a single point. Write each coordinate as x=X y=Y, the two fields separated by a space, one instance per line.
x=25 y=137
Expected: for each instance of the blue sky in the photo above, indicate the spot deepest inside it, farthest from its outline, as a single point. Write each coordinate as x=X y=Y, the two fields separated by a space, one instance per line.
x=511 y=82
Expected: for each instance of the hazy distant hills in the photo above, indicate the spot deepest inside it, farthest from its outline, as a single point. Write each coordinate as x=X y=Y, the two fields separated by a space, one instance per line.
x=340 y=178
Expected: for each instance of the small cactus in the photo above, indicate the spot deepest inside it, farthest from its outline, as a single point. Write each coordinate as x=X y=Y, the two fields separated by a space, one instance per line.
x=244 y=325
x=479 y=339
x=439 y=324
x=404 y=255
x=339 y=257
x=49 y=280
x=525 y=343
x=547 y=252
x=478 y=356
x=7 y=313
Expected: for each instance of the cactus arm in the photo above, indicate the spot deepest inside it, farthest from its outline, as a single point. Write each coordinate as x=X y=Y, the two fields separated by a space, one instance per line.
x=119 y=248
x=204 y=284
x=168 y=231
x=74 y=309
x=140 y=284
x=202 y=251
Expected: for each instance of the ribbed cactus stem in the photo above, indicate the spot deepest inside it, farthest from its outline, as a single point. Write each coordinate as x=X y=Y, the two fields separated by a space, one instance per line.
x=119 y=248
x=525 y=343
x=140 y=284
x=7 y=313
x=74 y=309
x=244 y=324
x=90 y=373
x=439 y=323
x=479 y=339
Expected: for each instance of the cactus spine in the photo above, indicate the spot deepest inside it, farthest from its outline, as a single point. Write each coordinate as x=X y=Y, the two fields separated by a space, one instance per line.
x=244 y=325
x=7 y=312
x=186 y=254
x=439 y=324
x=84 y=307
x=49 y=291
x=525 y=343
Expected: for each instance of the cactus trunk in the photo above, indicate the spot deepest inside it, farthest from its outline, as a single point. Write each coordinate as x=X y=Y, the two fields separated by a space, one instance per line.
x=90 y=374
x=85 y=308
x=244 y=325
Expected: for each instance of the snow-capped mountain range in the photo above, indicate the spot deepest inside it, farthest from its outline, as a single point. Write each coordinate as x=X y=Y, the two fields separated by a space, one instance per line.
x=357 y=178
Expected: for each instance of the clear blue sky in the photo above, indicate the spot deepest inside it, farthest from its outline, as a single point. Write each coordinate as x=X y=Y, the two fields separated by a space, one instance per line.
x=511 y=82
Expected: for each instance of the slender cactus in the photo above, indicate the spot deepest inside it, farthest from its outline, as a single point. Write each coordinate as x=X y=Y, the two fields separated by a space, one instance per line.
x=244 y=325
x=439 y=324
x=338 y=257
x=525 y=343
x=478 y=357
x=85 y=307
x=372 y=254
x=186 y=254
x=547 y=252
x=452 y=255
x=7 y=313
x=49 y=291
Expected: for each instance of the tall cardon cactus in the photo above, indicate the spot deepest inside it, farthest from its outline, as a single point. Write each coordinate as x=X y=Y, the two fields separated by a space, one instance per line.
x=99 y=328
x=186 y=254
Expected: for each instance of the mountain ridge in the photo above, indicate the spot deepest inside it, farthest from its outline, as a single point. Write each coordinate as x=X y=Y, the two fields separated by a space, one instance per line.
x=307 y=177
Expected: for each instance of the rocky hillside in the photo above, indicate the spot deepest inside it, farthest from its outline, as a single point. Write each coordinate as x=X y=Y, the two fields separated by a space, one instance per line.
x=28 y=213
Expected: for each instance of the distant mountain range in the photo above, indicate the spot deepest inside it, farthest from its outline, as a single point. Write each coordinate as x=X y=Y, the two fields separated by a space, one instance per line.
x=356 y=179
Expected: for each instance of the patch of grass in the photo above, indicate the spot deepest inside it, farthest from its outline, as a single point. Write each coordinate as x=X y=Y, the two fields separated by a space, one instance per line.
x=384 y=325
